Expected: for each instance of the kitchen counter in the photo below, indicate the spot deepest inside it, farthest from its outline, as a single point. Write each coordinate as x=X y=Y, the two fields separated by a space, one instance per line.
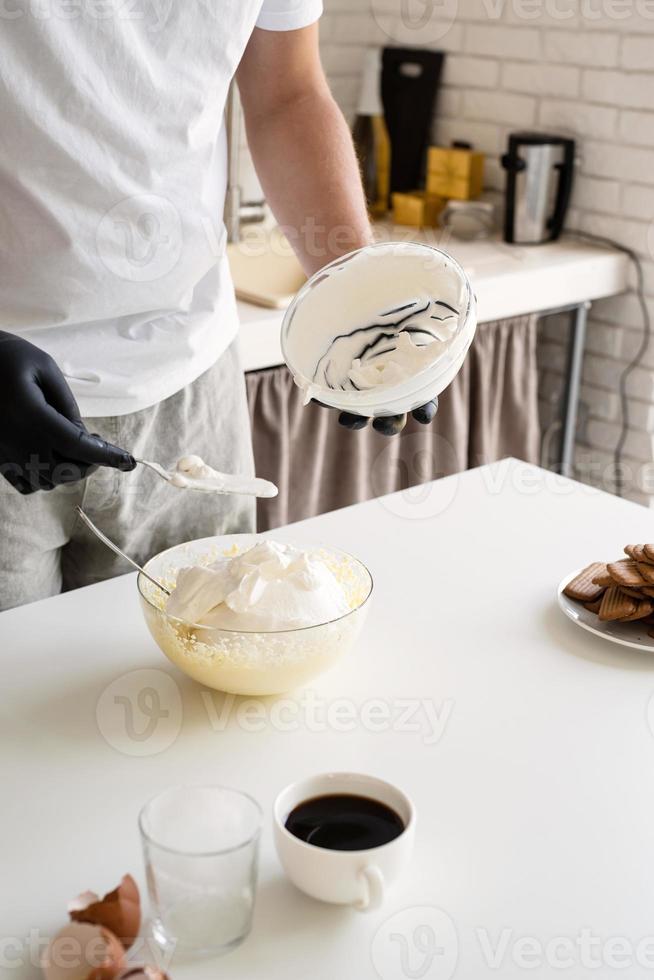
x=525 y=743
x=509 y=280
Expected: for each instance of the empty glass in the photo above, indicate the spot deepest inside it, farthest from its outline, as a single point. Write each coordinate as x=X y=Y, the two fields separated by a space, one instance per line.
x=201 y=845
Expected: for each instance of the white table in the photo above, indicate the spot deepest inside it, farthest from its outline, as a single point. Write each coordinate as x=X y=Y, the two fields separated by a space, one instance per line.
x=535 y=805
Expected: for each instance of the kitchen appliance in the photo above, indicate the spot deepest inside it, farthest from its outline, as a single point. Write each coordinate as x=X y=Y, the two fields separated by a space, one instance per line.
x=539 y=170
x=409 y=83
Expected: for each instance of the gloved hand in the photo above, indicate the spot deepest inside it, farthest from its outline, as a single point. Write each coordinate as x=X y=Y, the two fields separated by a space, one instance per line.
x=43 y=441
x=390 y=425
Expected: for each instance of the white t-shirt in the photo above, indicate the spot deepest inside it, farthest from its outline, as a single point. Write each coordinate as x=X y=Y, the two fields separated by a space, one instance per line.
x=112 y=186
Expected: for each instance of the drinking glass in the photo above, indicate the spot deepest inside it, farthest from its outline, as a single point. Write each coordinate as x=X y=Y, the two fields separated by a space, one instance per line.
x=200 y=845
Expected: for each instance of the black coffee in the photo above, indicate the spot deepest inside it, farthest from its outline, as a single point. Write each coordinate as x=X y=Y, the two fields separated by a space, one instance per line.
x=344 y=822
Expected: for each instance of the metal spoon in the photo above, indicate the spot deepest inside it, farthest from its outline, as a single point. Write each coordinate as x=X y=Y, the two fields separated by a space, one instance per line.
x=221 y=483
x=114 y=547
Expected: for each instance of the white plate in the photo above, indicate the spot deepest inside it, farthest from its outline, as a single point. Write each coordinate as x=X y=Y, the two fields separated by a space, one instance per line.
x=626 y=634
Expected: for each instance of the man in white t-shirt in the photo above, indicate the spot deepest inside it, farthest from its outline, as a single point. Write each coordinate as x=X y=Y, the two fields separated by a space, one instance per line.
x=117 y=312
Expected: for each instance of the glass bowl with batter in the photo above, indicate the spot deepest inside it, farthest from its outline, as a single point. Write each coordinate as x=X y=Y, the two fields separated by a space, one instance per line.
x=252 y=662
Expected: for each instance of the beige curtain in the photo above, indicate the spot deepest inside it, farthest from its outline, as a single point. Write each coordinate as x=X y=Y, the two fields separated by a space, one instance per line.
x=488 y=412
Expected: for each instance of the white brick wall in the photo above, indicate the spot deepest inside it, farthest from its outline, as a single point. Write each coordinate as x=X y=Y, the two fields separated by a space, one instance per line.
x=583 y=67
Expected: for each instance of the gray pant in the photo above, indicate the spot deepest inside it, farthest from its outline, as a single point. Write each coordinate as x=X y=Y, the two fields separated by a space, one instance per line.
x=46 y=549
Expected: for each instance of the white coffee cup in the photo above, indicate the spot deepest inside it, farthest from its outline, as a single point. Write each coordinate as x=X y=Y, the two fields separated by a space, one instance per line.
x=357 y=878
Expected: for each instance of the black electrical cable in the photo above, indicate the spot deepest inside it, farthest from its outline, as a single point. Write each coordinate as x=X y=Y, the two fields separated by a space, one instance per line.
x=640 y=353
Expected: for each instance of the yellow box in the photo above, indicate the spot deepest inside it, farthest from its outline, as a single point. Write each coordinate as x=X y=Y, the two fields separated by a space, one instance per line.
x=417 y=209
x=455 y=173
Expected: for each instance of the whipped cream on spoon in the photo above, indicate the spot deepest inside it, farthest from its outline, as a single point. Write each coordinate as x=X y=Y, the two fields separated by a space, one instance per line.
x=192 y=473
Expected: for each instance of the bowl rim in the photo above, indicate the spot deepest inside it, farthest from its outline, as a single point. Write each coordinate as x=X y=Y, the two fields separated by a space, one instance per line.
x=279 y=823
x=245 y=632
x=148 y=839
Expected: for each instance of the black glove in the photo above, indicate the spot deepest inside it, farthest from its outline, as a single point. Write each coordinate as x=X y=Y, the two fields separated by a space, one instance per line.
x=43 y=441
x=390 y=425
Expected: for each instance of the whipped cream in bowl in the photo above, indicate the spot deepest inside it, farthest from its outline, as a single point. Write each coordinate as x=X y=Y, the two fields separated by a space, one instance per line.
x=382 y=330
x=250 y=615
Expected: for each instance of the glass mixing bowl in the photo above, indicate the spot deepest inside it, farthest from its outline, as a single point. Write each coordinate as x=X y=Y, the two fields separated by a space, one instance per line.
x=249 y=662
x=354 y=307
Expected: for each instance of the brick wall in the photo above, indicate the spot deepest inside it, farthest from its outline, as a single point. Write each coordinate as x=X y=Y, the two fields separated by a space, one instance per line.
x=584 y=67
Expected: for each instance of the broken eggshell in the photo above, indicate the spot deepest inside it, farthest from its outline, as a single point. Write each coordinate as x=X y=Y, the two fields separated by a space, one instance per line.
x=82 y=951
x=119 y=910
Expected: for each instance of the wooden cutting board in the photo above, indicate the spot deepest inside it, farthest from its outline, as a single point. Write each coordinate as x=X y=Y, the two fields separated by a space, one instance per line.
x=265 y=276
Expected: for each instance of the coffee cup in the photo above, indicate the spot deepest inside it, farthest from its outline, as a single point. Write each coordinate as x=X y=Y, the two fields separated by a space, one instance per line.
x=344 y=837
